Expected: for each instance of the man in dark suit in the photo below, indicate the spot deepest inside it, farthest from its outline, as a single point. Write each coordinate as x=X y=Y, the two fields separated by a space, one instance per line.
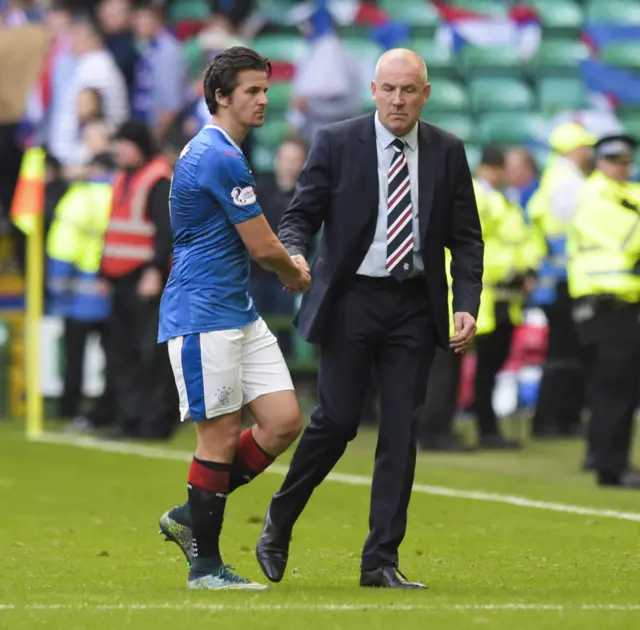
x=390 y=192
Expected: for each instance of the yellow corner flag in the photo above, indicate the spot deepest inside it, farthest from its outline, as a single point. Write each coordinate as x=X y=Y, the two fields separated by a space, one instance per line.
x=27 y=210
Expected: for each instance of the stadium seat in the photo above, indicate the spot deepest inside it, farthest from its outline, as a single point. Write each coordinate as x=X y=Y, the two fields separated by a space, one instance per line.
x=496 y=94
x=279 y=95
x=413 y=12
x=473 y=152
x=613 y=11
x=510 y=128
x=272 y=133
x=491 y=61
x=262 y=158
x=291 y=48
x=189 y=10
x=448 y=96
x=439 y=60
x=631 y=125
x=460 y=125
x=362 y=47
x=625 y=55
x=557 y=94
x=560 y=57
x=485 y=7
x=564 y=17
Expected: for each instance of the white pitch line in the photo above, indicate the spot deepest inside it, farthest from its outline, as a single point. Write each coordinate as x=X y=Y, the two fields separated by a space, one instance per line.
x=293 y=607
x=356 y=480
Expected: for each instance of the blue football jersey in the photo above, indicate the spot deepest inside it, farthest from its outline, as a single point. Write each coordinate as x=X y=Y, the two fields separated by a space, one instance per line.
x=212 y=190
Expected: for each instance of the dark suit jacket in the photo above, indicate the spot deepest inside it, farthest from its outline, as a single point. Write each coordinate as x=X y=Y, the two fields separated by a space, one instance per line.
x=338 y=190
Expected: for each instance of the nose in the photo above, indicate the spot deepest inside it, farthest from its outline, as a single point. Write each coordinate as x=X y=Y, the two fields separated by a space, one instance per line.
x=264 y=99
x=398 y=98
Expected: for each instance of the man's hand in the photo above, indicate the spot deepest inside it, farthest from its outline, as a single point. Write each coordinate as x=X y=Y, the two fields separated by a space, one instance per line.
x=300 y=281
x=465 y=329
x=150 y=284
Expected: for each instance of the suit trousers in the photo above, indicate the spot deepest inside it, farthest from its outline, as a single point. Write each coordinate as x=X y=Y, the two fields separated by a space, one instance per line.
x=387 y=325
x=562 y=388
x=146 y=398
x=611 y=346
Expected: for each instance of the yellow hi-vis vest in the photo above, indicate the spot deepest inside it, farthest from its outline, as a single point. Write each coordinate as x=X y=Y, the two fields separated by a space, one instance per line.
x=604 y=240
x=510 y=251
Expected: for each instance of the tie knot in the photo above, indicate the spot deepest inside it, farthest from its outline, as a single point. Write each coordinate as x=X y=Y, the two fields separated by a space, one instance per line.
x=398 y=145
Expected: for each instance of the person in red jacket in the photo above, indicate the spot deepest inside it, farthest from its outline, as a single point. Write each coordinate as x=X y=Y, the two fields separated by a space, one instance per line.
x=136 y=261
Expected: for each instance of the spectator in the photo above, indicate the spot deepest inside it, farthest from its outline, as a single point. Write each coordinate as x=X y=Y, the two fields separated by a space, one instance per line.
x=95 y=68
x=327 y=82
x=275 y=193
x=160 y=86
x=116 y=22
x=521 y=175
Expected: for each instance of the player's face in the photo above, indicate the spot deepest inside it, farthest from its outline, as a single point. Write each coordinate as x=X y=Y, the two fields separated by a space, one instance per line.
x=399 y=92
x=248 y=101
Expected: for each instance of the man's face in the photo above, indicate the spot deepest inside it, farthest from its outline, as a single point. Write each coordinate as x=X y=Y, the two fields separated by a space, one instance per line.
x=585 y=158
x=290 y=159
x=248 y=102
x=115 y=15
x=127 y=154
x=400 y=92
x=617 y=168
x=145 y=24
x=518 y=172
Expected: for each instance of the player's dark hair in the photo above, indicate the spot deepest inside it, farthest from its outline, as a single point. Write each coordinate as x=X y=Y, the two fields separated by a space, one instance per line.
x=222 y=73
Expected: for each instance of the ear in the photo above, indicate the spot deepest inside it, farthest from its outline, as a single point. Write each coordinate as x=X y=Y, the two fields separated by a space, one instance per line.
x=427 y=92
x=223 y=101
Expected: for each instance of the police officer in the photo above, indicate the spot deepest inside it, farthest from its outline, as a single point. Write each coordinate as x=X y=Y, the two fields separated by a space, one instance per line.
x=604 y=279
x=561 y=399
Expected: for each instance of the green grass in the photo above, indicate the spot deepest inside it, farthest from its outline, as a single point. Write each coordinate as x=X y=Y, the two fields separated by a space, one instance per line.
x=78 y=538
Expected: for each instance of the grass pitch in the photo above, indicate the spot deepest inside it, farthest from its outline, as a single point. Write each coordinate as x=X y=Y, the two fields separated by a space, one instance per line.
x=79 y=547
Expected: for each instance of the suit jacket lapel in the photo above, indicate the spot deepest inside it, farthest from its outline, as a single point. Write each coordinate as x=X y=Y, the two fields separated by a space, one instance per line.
x=427 y=169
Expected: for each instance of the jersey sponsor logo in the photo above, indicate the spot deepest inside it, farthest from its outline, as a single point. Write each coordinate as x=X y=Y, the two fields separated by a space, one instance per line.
x=243 y=196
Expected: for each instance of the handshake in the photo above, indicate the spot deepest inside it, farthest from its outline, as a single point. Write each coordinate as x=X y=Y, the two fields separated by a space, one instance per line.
x=298 y=280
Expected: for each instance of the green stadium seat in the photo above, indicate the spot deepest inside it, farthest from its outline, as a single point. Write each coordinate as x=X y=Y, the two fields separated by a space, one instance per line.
x=491 y=61
x=496 y=94
x=486 y=7
x=631 y=125
x=272 y=133
x=509 y=128
x=279 y=95
x=557 y=94
x=613 y=11
x=291 y=48
x=460 y=125
x=473 y=152
x=262 y=158
x=362 y=47
x=447 y=96
x=559 y=14
x=625 y=55
x=189 y=10
x=275 y=11
x=413 y=12
x=560 y=56
x=439 y=60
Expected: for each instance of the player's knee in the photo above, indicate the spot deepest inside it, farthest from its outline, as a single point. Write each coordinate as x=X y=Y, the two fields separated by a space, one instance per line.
x=290 y=426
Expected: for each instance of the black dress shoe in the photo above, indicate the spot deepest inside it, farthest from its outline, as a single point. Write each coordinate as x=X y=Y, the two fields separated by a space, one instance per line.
x=272 y=550
x=387 y=577
x=629 y=479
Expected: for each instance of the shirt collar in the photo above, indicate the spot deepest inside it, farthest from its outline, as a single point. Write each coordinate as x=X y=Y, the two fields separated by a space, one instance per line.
x=386 y=137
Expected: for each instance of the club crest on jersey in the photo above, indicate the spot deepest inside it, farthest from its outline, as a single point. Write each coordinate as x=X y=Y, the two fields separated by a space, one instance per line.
x=243 y=196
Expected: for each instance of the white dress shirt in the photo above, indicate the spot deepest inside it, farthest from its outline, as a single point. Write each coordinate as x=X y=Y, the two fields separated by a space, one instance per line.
x=375 y=262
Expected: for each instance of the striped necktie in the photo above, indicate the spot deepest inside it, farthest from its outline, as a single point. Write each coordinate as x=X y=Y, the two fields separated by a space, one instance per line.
x=399 y=216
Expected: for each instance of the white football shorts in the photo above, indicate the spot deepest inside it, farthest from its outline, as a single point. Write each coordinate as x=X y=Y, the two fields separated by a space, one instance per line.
x=218 y=372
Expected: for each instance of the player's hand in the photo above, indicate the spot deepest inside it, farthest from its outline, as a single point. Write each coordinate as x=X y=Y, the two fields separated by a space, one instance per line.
x=301 y=262
x=150 y=284
x=465 y=329
x=297 y=283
